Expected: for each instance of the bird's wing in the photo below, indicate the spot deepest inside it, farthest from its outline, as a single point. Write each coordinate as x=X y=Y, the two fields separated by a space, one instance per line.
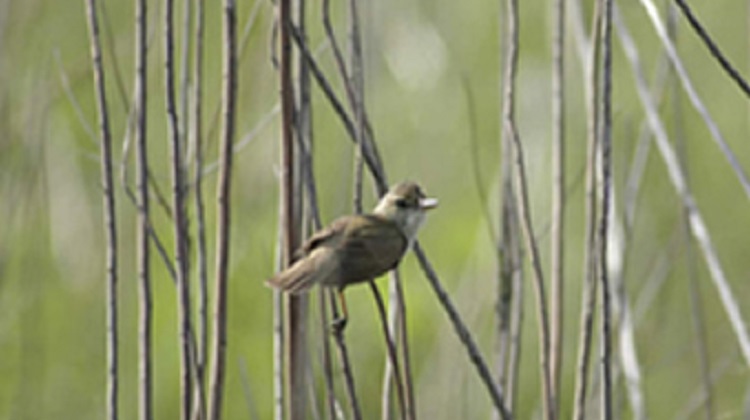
x=371 y=247
x=315 y=261
x=324 y=236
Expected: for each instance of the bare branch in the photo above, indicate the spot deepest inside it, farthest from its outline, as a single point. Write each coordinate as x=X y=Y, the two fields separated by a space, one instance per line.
x=110 y=217
x=522 y=201
x=732 y=72
x=179 y=216
x=145 y=321
x=223 y=198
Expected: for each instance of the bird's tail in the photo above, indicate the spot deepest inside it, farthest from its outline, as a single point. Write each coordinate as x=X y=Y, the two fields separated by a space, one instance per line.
x=303 y=274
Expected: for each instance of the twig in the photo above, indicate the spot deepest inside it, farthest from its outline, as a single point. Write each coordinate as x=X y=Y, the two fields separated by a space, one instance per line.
x=589 y=287
x=179 y=216
x=338 y=336
x=391 y=349
x=223 y=189
x=557 y=283
x=109 y=39
x=733 y=73
x=606 y=167
x=145 y=397
x=196 y=139
x=509 y=303
x=397 y=323
x=187 y=12
x=463 y=333
x=524 y=211
x=110 y=217
x=294 y=306
x=357 y=99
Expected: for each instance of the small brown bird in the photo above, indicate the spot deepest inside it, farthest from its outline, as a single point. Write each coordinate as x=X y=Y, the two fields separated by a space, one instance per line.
x=357 y=248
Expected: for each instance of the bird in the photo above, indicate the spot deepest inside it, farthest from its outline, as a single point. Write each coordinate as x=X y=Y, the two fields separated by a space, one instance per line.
x=358 y=248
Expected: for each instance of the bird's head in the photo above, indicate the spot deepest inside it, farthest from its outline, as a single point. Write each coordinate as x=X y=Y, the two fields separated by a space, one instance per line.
x=406 y=205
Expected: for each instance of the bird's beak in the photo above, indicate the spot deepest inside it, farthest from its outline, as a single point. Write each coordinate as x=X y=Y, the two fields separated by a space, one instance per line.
x=428 y=203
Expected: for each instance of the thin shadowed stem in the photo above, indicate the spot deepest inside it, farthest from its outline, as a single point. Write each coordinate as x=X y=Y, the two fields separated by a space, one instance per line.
x=557 y=289
x=179 y=216
x=294 y=306
x=509 y=303
x=223 y=191
x=327 y=363
x=111 y=51
x=606 y=167
x=463 y=333
x=187 y=20
x=524 y=211
x=391 y=349
x=357 y=99
x=346 y=367
x=144 y=261
x=589 y=284
x=731 y=71
x=398 y=325
x=196 y=139
x=513 y=365
x=108 y=195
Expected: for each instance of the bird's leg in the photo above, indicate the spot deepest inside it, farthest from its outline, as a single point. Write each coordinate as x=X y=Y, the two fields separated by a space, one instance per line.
x=339 y=322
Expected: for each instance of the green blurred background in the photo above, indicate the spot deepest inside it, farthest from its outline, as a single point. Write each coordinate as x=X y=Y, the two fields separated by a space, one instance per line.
x=52 y=278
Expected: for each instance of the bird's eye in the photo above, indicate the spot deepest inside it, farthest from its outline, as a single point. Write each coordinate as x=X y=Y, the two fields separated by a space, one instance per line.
x=401 y=203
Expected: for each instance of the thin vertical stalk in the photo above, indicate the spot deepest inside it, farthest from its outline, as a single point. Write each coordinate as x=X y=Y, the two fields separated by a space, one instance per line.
x=589 y=285
x=397 y=323
x=109 y=211
x=509 y=269
x=357 y=99
x=196 y=136
x=557 y=284
x=294 y=305
x=516 y=328
x=509 y=303
x=144 y=261
x=187 y=17
x=229 y=95
x=346 y=367
x=524 y=212
x=179 y=216
x=390 y=349
x=606 y=168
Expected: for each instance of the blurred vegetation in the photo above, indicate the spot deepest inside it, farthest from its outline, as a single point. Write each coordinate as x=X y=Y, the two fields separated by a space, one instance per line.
x=417 y=52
